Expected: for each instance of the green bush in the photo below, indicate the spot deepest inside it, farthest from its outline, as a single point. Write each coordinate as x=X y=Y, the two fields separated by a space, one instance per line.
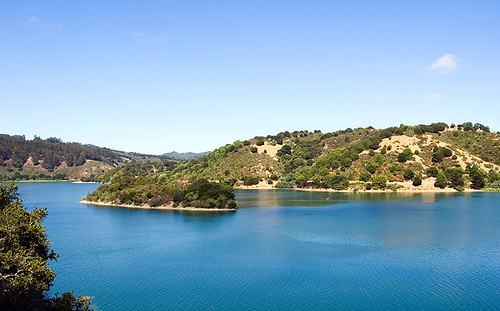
x=432 y=171
x=379 y=182
x=364 y=175
x=441 y=180
x=346 y=162
x=384 y=150
x=417 y=181
x=286 y=149
x=371 y=167
x=408 y=174
x=401 y=158
x=250 y=181
x=408 y=154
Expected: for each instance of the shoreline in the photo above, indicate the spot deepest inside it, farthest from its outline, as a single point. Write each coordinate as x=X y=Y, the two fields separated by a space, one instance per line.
x=161 y=207
x=362 y=191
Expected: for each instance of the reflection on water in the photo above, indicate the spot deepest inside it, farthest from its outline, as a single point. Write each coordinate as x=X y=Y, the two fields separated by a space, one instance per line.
x=250 y=198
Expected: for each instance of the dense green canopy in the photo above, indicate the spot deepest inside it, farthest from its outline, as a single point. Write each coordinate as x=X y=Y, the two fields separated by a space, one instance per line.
x=24 y=255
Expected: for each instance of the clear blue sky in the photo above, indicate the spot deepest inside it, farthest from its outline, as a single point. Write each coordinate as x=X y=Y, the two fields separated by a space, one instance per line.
x=157 y=76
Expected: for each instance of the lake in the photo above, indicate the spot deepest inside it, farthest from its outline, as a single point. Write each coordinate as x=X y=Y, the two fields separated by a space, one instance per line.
x=282 y=250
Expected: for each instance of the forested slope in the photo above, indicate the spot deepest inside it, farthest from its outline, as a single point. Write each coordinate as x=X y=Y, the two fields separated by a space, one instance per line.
x=52 y=158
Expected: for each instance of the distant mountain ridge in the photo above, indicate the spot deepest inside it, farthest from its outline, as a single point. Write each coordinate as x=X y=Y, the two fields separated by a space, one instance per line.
x=174 y=155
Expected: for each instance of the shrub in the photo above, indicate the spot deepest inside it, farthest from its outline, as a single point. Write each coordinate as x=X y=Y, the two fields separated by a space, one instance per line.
x=368 y=186
x=286 y=149
x=260 y=142
x=254 y=149
x=408 y=174
x=230 y=181
x=379 y=182
x=441 y=180
x=408 y=154
x=432 y=171
x=364 y=175
x=384 y=150
x=417 y=181
x=371 y=167
x=437 y=157
x=250 y=181
x=346 y=162
x=401 y=158
x=477 y=179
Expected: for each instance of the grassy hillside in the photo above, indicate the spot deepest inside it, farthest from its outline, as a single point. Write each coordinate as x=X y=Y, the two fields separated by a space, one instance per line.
x=405 y=157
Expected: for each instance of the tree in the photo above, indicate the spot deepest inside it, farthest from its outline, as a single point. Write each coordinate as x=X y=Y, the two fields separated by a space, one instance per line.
x=379 y=182
x=408 y=154
x=364 y=175
x=346 y=162
x=371 y=167
x=24 y=256
x=417 y=181
x=301 y=181
x=401 y=158
x=441 y=180
x=477 y=178
x=408 y=174
x=437 y=157
x=454 y=177
x=432 y=171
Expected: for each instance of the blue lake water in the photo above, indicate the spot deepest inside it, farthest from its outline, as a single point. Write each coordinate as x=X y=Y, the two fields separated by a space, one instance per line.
x=282 y=250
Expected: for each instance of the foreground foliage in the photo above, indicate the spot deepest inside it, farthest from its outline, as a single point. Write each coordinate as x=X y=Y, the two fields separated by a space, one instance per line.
x=24 y=255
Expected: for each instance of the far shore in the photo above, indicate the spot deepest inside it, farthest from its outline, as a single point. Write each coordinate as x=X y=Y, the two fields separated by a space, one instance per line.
x=162 y=207
x=404 y=187
x=386 y=190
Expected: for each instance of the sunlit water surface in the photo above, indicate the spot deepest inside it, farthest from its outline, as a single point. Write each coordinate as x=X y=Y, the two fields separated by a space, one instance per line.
x=282 y=250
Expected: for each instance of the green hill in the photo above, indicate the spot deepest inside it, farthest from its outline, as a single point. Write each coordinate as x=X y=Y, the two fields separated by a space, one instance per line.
x=422 y=157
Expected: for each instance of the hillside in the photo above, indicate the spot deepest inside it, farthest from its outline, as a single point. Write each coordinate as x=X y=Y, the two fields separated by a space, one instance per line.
x=52 y=158
x=422 y=157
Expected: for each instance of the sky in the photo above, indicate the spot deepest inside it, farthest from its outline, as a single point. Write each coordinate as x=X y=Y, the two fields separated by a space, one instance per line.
x=160 y=76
